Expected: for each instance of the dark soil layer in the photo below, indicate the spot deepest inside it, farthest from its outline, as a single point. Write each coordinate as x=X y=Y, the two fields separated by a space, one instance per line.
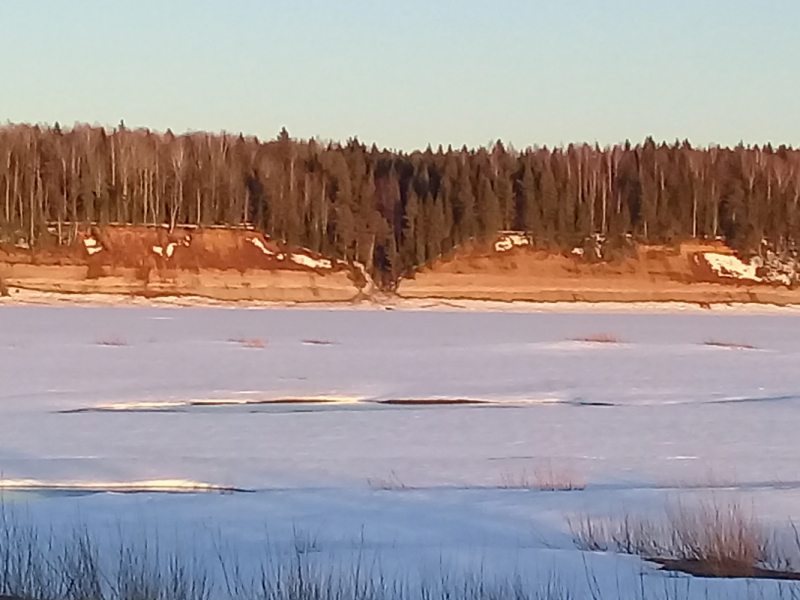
x=430 y=401
x=704 y=569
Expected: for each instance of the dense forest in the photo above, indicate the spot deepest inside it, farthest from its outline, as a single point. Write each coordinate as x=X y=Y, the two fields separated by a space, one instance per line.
x=394 y=211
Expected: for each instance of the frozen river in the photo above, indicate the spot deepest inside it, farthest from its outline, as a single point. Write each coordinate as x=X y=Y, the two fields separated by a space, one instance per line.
x=328 y=424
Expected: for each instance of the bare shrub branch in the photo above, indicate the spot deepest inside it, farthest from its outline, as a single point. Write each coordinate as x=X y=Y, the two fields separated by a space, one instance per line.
x=545 y=477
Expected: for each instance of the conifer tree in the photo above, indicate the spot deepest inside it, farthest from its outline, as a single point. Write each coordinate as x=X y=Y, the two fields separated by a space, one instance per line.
x=489 y=213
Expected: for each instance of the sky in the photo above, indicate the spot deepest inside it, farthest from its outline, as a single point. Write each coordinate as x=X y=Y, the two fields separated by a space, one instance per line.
x=407 y=73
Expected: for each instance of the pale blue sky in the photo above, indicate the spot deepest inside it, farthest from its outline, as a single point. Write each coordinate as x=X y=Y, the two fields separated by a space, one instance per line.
x=408 y=73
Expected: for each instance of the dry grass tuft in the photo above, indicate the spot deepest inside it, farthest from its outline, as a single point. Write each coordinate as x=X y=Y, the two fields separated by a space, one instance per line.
x=561 y=479
x=731 y=345
x=599 y=338
x=517 y=481
x=249 y=342
x=710 y=538
x=546 y=478
x=393 y=482
x=723 y=537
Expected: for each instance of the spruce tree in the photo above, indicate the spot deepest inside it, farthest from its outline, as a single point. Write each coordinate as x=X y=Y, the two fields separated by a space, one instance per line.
x=464 y=207
x=489 y=214
x=531 y=219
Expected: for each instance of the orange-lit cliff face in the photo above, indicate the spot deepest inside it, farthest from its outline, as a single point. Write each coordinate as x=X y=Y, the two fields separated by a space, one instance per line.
x=511 y=269
x=219 y=263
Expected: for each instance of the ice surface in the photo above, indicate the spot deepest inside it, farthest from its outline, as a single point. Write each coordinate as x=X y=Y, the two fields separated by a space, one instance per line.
x=305 y=428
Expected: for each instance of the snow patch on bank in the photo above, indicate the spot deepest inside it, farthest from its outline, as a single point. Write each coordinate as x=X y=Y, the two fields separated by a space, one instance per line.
x=311 y=263
x=511 y=240
x=260 y=245
x=168 y=250
x=729 y=266
x=300 y=259
x=92 y=246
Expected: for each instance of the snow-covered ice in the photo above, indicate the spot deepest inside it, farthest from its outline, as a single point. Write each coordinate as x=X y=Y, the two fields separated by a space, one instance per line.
x=314 y=439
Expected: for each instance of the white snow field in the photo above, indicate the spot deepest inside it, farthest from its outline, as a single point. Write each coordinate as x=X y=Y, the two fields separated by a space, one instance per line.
x=296 y=430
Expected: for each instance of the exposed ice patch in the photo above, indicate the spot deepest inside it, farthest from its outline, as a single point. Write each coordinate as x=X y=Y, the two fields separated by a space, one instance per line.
x=537 y=401
x=320 y=401
x=166 y=405
x=173 y=486
x=139 y=405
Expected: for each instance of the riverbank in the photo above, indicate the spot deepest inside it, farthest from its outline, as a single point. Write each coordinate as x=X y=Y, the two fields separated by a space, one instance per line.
x=218 y=264
x=145 y=265
x=24 y=297
x=704 y=274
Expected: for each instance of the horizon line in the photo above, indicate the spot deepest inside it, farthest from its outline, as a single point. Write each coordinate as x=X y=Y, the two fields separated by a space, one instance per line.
x=435 y=148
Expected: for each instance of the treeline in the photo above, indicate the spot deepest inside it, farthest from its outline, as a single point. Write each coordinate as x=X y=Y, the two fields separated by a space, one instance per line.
x=394 y=211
